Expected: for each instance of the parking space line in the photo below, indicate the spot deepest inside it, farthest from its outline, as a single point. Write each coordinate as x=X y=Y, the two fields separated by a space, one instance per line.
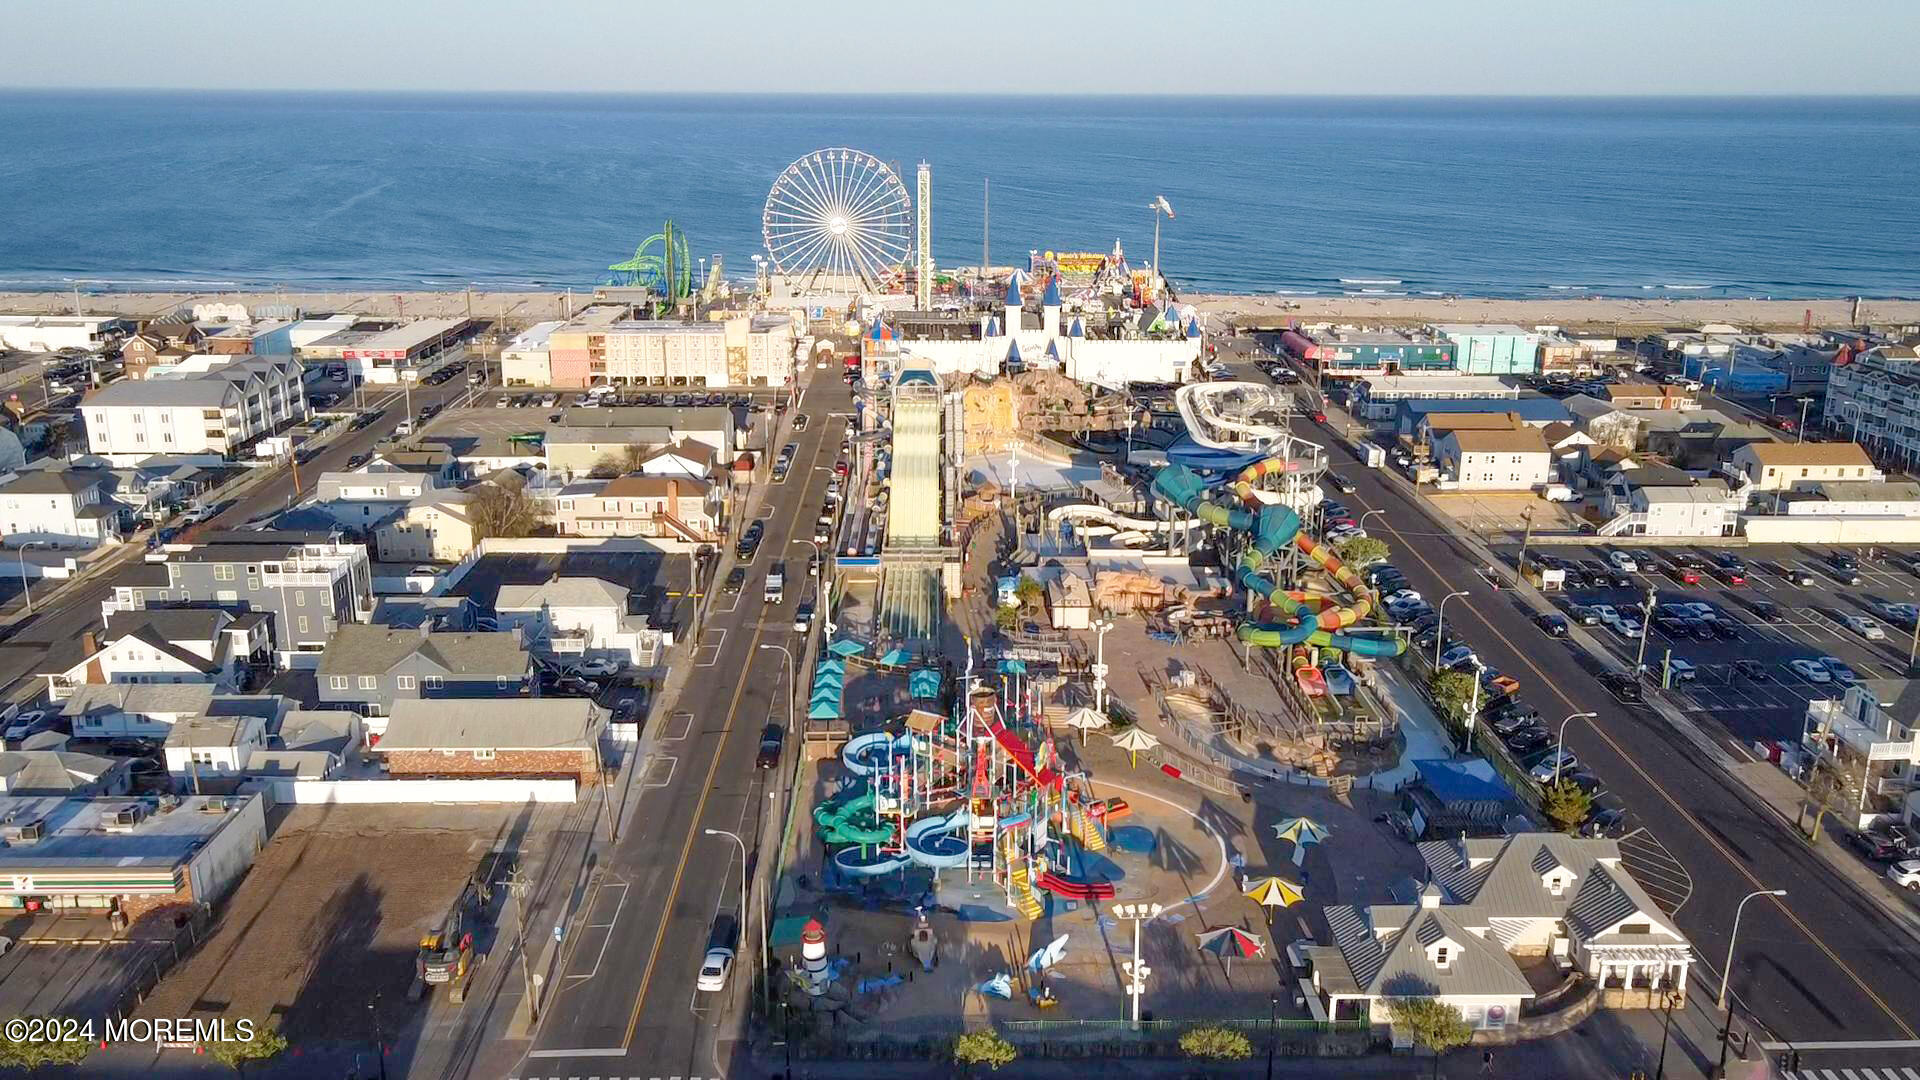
x=679 y=726
x=653 y=778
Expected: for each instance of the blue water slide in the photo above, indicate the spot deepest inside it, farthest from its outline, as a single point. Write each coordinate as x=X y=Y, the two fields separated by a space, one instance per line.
x=862 y=861
x=873 y=752
x=940 y=842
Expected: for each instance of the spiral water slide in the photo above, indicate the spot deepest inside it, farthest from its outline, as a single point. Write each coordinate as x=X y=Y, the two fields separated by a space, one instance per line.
x=1316 y=620
x=1088 y=512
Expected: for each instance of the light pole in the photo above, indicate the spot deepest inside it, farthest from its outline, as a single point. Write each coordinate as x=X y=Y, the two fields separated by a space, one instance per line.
x=819 y=589
x=1562 y=744
x=24 y=587
x=1100 y=666
x=1800 y=435
x=1273 y=1022
x=1646 y=627
x=1726 y=973
x=791 y=688
x=1362 y=523
x=1137 y=969
x=1440 y=623
x=1159 y=207
x=742 y=845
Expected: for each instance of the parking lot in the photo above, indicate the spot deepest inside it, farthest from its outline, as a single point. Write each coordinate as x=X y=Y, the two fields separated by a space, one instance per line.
x=1744 y=676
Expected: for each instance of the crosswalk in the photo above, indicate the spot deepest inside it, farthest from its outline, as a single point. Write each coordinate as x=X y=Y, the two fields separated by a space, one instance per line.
x=1856 y=1073
x=618 y=1076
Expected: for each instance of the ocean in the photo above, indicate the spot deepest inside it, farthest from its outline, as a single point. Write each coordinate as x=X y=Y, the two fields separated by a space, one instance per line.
x=1323 y=196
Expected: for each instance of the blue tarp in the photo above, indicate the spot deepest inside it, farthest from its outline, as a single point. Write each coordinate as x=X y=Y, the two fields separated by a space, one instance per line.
x=1463 y=781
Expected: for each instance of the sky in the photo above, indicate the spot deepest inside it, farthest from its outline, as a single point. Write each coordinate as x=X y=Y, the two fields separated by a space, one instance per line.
x=1248 y=47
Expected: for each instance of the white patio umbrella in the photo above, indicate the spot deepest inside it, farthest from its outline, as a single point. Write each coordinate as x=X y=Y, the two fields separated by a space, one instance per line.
x=1133 y=740
x=1086 y=720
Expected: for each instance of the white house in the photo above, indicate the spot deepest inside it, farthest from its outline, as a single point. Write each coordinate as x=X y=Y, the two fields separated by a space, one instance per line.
x=211 y=415
x=683 y=459
x=1798 y=466
x=203 y=748
x=363 y=499
x=133 y=710
x=1516 y=459
x=167 y=645
x=1705 y=509
x=60 y=508
x=434 y=527
x=1488 y=903
x=577 y=618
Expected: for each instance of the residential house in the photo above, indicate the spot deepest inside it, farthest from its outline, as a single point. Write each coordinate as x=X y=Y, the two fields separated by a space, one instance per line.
x=1378 y=397
x=209 y=753
x=167 y=645
x=1435 y=424
x=438 y=462
x=1706 y=508
x=59 y=508
x=544 y=738
x=372 y=667
x=686 y=459
x=1489 y=905
x=1874 y=394
x=1533 y=411
x=1704 y=442
x=1512 y=460
x=308 y=586
x=639 y=505
x=312 y=744
x=55 y=770
x=1800 y=465
x=365 y=498
x=1863 y=498
x=570 y=619
x=160 y=343
x=587 y=435
x=432 y=527
x=212 y=415
x=133 y=710
x=1873 y=755
x=1649 y=396
x=1604 y=423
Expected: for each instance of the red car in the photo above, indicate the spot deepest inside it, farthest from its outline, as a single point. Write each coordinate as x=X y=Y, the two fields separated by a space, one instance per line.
x=840 y=467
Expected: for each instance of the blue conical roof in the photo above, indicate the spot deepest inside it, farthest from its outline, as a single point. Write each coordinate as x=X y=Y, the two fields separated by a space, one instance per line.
x=1053 y=349
x=1013 y=350
x=1078 y=329
x=993 y=326
x=1193 y=328
x=1014 y=299
x=1051 y=298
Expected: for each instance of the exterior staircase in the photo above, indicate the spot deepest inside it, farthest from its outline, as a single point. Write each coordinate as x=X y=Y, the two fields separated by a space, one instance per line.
x=1622 y=524
x=1024 y=897
x=1087 y=831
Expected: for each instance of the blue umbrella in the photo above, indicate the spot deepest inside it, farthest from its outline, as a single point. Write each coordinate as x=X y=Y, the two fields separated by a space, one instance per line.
x=924 y=683
x=1013 y=667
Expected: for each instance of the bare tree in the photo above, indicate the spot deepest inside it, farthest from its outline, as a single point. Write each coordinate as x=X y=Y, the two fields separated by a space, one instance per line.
x=503 y=508
x=607 y=468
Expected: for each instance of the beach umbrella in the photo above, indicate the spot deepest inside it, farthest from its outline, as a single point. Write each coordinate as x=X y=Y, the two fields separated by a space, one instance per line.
x=1013 y=667
x=845 y=647
x=1133 y=740
x=1000 y=986
x=828 y=678
x=1086 y=720
x=1231 y=943
x=832 y=663
x=1302 y=831
x=1045 y=958
x=1273 y=893
x=825 y=696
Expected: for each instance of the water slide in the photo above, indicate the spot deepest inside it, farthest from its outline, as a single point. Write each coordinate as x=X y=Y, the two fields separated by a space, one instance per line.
x=854 y=821
x=940 y=842
x=1021 y=753
x=1272 y=528
x=874 y=752
x=1088 y=512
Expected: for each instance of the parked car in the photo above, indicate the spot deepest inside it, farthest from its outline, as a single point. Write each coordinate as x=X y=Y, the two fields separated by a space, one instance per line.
x=1838 y=669
x=714 y=969
x=1622 y=685
x=1526 y=740
x=1341 y=484
x=1456 y=657
x=1554 y=625
x=1623 y=562
x=1752 y=669
x=1767 y=610
x=1583 y=614
x=772 y=738
x=1905 y=873
x=750 y=540
x=1864 y=626
x=1556 y=761
x=736 y=580
x=803 y=617
x=1686 y=575
x=1876 y=846
x=1680 y=670
x=597 y=669
x=1810 y=670
x=1627 y=627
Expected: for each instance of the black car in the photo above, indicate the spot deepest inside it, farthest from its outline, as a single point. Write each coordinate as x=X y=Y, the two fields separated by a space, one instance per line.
x=1554 y=625
x=1527 y=740
x=1767 y=610
x=771 y=740
x=357 y=460
x=1752 y=669
x=1515 y=723
x=1424 y=623
x=750 y=540
x=1583 y=615
x=1622 y=685
x=1729 y=560
x=1876 y=846
x=1843 y=561
x=1724 y=629
x=736 y=580
x=1341 y=484
x=364 y=421
x=1672 y=626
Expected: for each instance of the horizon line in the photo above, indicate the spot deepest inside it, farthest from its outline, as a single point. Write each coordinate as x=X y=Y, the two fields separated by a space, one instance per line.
x=1753 y=95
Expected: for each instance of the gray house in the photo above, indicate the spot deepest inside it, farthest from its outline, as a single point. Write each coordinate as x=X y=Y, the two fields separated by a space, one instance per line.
x=370 y=667
x=307 y=585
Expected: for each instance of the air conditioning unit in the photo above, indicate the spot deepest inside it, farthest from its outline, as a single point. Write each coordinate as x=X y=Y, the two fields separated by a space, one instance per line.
x=215 y=804
x=32 y=831
x=127 y=816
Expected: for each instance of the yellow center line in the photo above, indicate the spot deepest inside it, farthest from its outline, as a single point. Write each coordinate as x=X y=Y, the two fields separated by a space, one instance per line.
x=693 y=826
x=1661 y=791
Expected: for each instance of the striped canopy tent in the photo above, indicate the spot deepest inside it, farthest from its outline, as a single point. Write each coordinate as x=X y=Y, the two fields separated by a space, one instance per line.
x=845 y=647
x=1273 y=893
x=825 y=693
x=831 y=663
x=1232 y=943
x=924 y=683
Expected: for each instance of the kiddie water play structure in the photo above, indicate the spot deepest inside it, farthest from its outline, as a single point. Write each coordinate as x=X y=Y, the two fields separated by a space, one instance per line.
x=979 y=791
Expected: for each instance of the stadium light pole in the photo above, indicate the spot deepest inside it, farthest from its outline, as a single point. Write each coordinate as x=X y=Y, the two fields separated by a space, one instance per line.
x=1136 y=968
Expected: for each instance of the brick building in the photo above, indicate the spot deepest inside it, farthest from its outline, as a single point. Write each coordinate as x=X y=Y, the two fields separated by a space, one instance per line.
x=543 y=738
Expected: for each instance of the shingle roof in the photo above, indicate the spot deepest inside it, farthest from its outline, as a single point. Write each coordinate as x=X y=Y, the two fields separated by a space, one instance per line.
x=139 y=698
x=562 y=592
x=1515 y=440
x=31 y=772
x=142 y=392
x=1808 y=453
x=1507 y=881
x=54 y=482
x=358 y=649
x=1399 y=964
x=482 y=724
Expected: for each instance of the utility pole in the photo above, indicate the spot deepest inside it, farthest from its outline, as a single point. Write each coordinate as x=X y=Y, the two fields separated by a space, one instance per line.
x=518 y=886
x=986 y=223
x=1646 y=623
x=1526 y=539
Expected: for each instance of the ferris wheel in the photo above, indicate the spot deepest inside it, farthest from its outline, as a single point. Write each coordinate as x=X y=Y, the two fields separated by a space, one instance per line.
x=840 y=212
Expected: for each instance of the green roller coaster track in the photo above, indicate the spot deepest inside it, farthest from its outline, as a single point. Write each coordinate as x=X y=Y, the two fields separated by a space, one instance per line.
x=661 y=264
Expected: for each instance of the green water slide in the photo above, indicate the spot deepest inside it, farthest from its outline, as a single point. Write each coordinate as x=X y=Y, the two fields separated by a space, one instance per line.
x=852 y=821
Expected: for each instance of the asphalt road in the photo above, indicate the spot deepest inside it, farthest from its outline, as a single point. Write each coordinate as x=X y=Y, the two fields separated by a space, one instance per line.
x=1822 y=963
x=625 y=1002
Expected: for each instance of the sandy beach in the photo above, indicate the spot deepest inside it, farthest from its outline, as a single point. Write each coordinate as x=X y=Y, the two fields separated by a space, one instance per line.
x=1597 y=313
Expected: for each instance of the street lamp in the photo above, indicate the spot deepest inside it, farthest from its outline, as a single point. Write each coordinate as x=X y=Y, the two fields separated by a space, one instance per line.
x=1801 y=434
x=1562 y=744
x=742 y=845
x=1273 y=1023
x=791 y=688
x=1726 y=973
x=1440 y=623
x=819 y=587
x=1136 y=968
x=1100 y=666
x=24 y=587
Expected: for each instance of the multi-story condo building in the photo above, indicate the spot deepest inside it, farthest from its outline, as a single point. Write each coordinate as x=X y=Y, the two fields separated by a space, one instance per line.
x=748 y=351
x=213 y=414
x=309 y=587
x=1874 y=399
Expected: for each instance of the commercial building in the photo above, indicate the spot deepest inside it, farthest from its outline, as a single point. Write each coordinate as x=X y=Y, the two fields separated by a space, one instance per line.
x=544 y=738
x=1649 y=396
x=308 y=587
x=59 y=508
x=1345 y=352
x=1516 y=459
x=524 y=362
x=1778 y=466
x=408 y=352
x=51 y=333
x=128 y=856
x=372 y=667
x=1489 y=905
x=754 y=350
x=586 y=437
x=1874 y=398
x=209 y=416
x=1377 y=398
x=1864 y=498
x=1492 y=349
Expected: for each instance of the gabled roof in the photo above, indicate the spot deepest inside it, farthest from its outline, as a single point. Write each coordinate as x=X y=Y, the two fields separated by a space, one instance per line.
x=358 y=649
x=1520 y=440
x=562 y=592
x=1500 y=877
x=1808 y=454
x=54 y=482
x=48 y=772
x=1386 y=948
x=140 y=699
x=482 y=724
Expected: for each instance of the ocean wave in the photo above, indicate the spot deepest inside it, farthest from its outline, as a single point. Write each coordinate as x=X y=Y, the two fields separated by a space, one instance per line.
x=1686 y=288
x=1374 y=293
x=1568 y=288
x=1370 y=281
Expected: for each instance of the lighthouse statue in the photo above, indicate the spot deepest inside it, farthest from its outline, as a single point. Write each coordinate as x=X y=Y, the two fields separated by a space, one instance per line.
x=813 y=957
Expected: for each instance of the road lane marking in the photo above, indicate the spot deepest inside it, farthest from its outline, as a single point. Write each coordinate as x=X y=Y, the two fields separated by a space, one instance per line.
x=1660 y=791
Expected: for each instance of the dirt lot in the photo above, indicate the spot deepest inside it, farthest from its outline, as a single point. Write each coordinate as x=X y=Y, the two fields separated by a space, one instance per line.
x=332 y=913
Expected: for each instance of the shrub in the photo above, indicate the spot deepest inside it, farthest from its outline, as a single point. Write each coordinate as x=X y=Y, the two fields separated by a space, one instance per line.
x=983 y=1047
x=1215 y=1044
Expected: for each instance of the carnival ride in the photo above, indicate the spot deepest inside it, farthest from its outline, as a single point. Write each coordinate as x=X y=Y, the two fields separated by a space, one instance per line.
x=980 y=790
x=660 y=265
x=839 y=212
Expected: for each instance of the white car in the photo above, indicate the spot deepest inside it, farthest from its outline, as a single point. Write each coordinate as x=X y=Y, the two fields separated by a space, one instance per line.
x=1810 y=671
x=1402 y=596
x=1905 y=872
x=1606 y=612
x=596 y=669
x=502 y=402
x=1627 y=627
x=1623 y=562
x=1865 y=627
x=714 y=969
x=1562 y=759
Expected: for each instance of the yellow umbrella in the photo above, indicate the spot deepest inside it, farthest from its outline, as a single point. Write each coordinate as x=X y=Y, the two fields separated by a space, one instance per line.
x=1133 y=740
x=1273 y=893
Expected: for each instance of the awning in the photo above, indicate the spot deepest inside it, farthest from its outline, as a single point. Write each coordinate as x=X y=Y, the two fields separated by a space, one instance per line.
x=824 y=712
x=844 y=647
x=924 y=683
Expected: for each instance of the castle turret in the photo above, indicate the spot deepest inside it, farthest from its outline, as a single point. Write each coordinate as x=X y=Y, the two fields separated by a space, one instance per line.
x=1015 y=301
x=1050 y=308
